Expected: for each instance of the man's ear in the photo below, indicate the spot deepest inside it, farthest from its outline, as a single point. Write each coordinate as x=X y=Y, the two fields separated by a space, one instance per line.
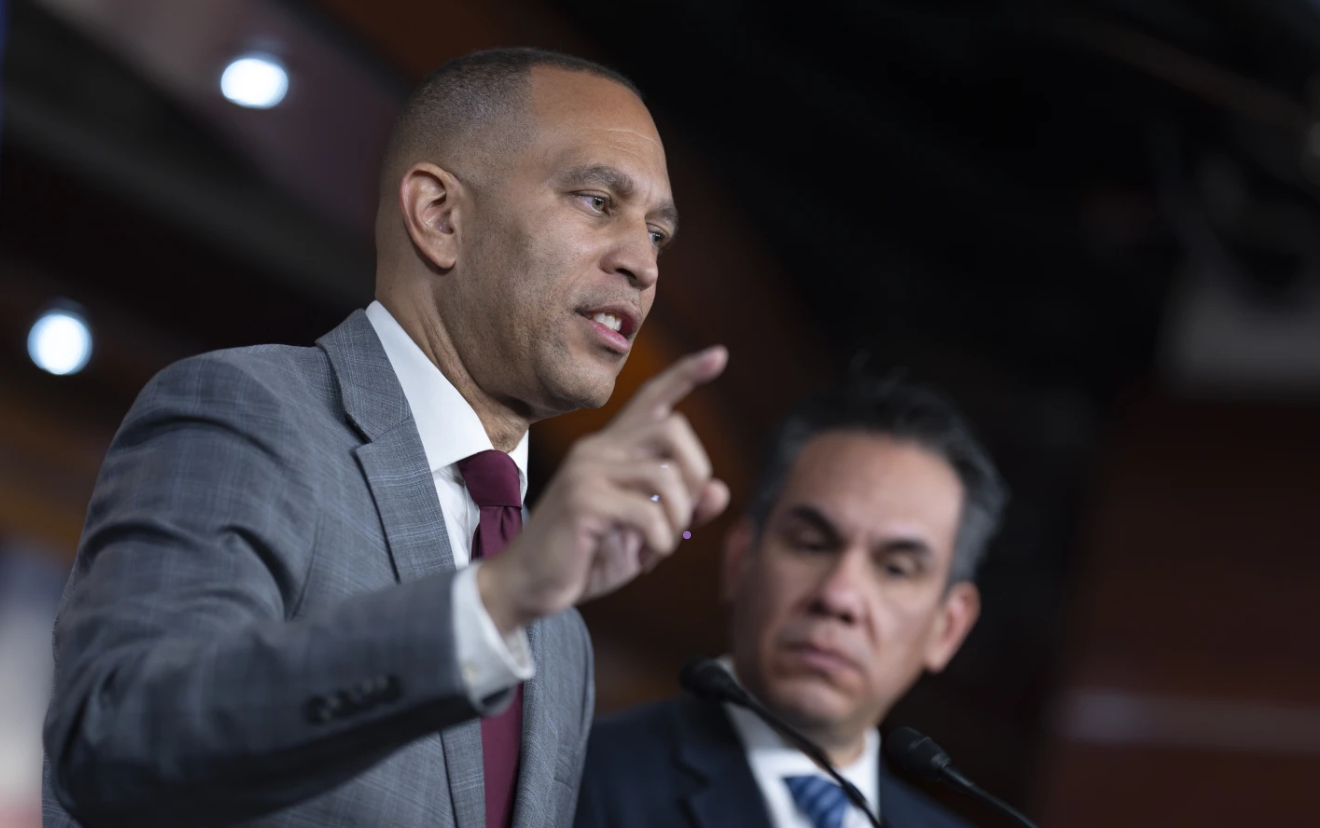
x=958 y=612
x=737 y=549
x=428 y=201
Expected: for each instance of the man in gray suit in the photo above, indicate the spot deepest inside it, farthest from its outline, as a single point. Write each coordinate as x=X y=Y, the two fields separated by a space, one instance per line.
x=272 y=619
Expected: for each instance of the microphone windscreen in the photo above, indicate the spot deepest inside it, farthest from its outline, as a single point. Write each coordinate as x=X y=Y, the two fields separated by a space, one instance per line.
x=707 y=680
x=915 y=751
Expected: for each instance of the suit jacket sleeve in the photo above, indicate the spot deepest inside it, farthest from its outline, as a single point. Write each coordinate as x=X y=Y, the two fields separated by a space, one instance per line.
x=187 y=690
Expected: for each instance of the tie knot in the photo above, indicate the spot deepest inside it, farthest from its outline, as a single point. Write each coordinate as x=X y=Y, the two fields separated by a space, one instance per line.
x=491 y=478
x=821 y=800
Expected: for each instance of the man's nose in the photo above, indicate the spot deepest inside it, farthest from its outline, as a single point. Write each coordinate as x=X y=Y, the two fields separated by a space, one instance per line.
x=635 y=257
x=839 y=593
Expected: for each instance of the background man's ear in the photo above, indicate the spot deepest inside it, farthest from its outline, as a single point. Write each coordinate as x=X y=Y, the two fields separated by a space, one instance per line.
x=958 y=613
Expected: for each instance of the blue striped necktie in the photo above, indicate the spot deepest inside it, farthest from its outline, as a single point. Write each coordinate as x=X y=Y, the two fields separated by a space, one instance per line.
x=821 y=800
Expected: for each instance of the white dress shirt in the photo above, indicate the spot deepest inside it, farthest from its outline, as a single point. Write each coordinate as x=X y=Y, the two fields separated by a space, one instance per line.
x=451 y=430
x=771 y=759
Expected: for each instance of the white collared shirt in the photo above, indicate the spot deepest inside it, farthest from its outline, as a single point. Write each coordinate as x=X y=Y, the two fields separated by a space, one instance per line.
x=771 y=759
x=451 y=430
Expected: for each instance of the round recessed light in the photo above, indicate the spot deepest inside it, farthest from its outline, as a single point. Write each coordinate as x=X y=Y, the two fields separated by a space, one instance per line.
x=255 y=80
x=60 y=342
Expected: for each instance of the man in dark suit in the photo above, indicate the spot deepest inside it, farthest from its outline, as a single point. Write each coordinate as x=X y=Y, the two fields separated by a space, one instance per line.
x=850 y=575
x=304 y=594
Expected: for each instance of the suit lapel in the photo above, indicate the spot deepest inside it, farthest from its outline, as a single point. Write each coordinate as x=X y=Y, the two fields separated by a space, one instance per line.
x=394 y=465
x=881 y=788
x=540 y=728
x=392 y=458
x=404 y=491
x=722 y=790
x=901 y=806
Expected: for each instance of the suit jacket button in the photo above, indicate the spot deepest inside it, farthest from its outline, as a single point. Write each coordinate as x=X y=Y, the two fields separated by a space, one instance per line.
x=346 y=703
x=317 y=710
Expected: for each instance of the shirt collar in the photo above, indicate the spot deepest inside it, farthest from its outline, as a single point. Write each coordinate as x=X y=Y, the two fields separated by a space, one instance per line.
x=768 y=751
x=449 y=427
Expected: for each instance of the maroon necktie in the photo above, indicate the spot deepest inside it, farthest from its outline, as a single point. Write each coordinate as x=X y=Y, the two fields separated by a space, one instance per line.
x=492 y=481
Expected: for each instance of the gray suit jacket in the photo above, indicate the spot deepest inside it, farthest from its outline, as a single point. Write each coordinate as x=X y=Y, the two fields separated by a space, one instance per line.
x=258 y=627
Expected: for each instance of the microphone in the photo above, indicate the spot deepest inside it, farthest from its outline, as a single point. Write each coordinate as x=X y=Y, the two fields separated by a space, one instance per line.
x=918 y=753
x=706 y=679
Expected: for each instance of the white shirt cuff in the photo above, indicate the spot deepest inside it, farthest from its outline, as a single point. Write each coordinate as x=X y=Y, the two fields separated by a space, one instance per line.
x=491 y=663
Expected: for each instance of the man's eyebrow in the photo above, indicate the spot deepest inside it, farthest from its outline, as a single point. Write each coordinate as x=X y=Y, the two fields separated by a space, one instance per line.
x=668 y=213
x=808 y=514
x=616 y=180
x=601 y=175
x=911 y=546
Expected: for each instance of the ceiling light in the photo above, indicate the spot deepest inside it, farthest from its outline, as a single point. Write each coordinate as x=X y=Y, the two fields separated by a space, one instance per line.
x=255 y=80
x=60 y=342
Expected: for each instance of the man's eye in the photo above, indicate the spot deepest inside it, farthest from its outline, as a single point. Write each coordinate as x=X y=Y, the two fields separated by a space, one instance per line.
x=595 y=202
x=809 y=544
x=658 y=238
x=900 y=567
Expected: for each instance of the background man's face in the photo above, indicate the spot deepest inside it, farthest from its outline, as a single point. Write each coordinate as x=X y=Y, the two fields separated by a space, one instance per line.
x=573 y=227
x=840 y=602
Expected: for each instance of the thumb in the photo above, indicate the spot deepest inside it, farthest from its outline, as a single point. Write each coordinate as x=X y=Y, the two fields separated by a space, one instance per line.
x=713 y=501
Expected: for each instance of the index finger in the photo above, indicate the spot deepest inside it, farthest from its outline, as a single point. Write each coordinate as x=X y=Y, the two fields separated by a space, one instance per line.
x=657 y=398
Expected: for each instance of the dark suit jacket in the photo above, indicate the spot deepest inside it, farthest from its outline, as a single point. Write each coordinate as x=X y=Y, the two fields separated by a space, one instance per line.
x=680 y=764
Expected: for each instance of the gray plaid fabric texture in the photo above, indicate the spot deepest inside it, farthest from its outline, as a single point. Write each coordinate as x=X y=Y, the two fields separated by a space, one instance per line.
x=258 y=628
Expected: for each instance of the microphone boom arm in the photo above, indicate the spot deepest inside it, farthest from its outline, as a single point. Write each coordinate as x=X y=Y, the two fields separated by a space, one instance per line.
x=707 y=680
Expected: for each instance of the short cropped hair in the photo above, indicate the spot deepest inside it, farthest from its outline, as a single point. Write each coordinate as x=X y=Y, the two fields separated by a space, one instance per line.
x=480 y=92
x=906 y=413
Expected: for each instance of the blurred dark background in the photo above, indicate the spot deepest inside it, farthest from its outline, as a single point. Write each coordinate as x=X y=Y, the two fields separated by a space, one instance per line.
x=1097 y=224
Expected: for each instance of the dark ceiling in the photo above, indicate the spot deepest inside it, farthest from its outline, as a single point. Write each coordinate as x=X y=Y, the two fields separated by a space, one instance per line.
x=982 y=176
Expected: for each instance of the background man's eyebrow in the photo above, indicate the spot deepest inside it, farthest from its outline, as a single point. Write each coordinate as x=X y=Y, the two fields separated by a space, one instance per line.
x=815 y=517
x=913 y=546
